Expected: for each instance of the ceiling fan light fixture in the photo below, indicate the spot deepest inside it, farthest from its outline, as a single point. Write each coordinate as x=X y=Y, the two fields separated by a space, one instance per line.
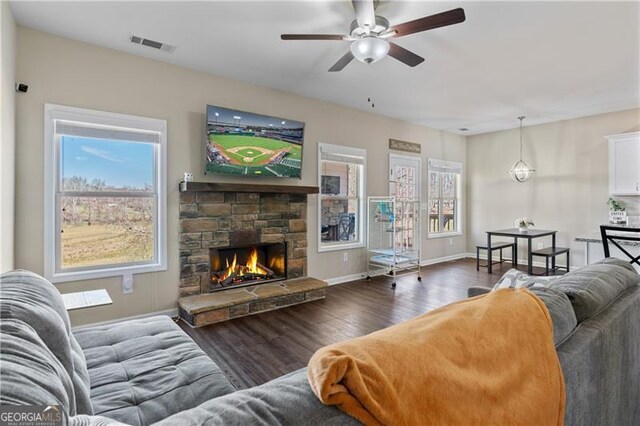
x=369 y=49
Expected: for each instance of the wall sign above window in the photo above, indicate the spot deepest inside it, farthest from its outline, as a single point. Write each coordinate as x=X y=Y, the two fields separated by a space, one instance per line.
x=399 y=145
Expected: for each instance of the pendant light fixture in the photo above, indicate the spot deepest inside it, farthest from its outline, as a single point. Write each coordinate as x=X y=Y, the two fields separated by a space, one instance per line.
x=521 y=171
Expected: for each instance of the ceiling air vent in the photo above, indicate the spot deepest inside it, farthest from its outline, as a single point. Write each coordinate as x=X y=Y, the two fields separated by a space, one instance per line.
x=152 y=43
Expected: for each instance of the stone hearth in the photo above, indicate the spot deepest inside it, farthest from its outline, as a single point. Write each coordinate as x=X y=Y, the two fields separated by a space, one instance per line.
x=210 y=308
x=219 y=219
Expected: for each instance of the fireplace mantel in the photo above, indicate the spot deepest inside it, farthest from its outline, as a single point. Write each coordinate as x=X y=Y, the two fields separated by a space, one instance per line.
x=242 y=187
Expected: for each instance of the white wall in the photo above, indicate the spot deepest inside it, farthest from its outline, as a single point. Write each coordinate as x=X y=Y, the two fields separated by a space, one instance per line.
x=8 y=42
x=570 y=190
x=68 y=72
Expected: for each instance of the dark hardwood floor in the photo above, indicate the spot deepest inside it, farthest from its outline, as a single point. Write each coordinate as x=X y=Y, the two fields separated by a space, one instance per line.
x=255 y=349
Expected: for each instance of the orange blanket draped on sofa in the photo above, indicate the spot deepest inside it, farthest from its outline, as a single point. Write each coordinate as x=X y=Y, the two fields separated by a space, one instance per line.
x=486 y=360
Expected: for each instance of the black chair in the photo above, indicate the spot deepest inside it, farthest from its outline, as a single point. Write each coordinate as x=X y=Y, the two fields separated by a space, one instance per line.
x=495 y=247
x=614 y=234
x=551 y=253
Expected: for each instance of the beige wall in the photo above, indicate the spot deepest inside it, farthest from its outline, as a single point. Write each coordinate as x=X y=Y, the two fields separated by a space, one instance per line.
x=71 y=73
x=7 y=134
x=571 y=187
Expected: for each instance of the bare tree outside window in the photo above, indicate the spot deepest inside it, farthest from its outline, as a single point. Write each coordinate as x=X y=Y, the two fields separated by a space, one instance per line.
x=105 y=221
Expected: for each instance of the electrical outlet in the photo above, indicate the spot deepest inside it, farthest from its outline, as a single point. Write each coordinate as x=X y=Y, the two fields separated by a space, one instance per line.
x=540 y=246
x=127 y=284
x=345 y=256
x=450 y=241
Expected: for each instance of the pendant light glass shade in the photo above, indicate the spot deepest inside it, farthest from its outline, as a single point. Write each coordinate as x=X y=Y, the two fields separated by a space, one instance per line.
x=521 y=171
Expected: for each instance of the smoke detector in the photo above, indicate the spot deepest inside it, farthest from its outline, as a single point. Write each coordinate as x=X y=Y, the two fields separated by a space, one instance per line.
x=152 y=43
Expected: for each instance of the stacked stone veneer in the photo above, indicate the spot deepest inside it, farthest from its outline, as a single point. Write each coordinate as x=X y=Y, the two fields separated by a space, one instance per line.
x=237 y=219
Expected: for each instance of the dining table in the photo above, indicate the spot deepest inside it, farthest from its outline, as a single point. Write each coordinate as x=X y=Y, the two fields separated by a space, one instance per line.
x=529 y=235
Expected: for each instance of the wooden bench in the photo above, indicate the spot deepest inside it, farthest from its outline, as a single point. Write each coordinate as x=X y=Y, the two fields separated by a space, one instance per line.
x=552 y=253
x=496 y=246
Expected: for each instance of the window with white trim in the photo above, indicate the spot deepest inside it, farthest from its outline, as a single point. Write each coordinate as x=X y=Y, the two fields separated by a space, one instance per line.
x=341 y=177
x=105 y=200
x=445 y=179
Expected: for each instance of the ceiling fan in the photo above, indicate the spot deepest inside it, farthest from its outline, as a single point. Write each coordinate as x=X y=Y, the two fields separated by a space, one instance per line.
x=369 y=35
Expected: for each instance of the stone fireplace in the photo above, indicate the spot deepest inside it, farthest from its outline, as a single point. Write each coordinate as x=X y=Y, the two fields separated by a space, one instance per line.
x=213 y=222
x=243 y=250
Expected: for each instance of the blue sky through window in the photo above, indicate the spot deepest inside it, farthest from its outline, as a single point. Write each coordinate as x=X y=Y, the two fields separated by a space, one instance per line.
x=117 y=163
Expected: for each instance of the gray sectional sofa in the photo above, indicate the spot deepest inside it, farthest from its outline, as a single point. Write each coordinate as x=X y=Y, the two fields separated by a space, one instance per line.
x=150 y=372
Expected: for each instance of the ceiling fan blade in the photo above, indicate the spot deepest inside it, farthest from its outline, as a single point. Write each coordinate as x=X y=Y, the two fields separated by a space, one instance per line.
x=342 y=62
x=403 y=55
x=313 y=37
x=438 y=20
x=365 y=13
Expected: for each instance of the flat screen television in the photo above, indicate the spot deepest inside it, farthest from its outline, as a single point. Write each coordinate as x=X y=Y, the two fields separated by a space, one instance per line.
x=244 y=143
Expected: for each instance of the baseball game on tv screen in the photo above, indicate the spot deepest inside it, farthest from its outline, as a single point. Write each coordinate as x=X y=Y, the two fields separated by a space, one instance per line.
x=244 y=143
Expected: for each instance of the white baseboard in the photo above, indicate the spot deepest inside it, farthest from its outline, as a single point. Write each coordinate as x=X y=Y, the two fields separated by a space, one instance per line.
x=521 y=262
x=346 y=278
x=458 y=256
x=362 y=275
x=169 y=312
x=352 y=277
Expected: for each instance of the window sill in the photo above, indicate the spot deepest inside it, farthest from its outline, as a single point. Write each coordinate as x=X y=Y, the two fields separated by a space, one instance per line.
x=444 y=235
x=338 y=247
x=62 y=277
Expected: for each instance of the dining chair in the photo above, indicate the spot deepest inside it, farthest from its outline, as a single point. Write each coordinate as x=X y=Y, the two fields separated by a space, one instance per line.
x=615 y=234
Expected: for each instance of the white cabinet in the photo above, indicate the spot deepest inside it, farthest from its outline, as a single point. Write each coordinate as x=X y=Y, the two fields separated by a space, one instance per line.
x=624 y=164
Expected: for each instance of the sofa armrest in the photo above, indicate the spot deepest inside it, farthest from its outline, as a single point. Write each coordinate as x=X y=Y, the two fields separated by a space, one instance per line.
x=477 y=291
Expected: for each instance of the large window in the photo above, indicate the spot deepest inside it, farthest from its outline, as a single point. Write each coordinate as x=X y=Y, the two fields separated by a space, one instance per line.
x=404 y=182
x=444 y=198
x=105 y=199
x=341 y=177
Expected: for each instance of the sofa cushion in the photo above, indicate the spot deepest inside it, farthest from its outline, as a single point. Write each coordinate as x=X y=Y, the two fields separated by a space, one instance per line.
x=560 y=310
x=144 y=370
x=30 y=298
x=514 y=278
x=617 y=262
x=592 y=288
x=287 y=400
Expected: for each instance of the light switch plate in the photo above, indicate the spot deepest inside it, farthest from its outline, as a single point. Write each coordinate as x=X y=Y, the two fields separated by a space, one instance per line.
x=127 y=284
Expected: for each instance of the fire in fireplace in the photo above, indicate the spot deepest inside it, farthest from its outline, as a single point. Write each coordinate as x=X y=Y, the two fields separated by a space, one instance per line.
x=240 y=266
x=253 y=270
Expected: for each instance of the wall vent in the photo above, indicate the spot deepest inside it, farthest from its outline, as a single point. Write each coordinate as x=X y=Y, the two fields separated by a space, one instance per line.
x=152 y=43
